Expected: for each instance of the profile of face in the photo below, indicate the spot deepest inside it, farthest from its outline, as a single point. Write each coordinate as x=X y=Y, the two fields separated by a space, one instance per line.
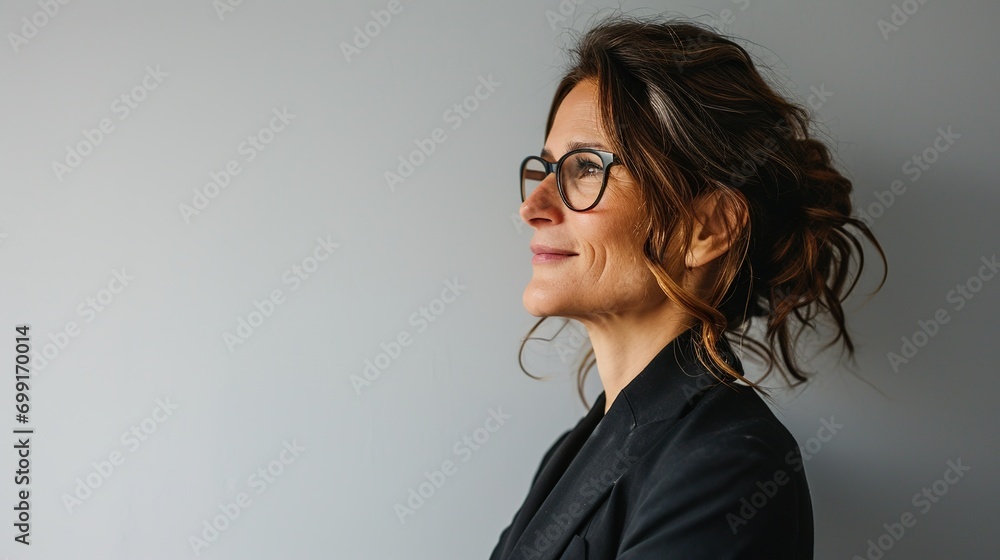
x=605 y=275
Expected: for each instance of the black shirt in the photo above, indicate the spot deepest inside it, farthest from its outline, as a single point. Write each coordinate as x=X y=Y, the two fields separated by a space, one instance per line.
x=681 y=466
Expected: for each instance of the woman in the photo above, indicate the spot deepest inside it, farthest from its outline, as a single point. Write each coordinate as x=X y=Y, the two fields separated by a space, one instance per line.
x=677 y=196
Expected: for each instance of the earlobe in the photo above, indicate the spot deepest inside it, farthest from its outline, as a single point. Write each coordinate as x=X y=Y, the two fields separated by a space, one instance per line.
x=716 y=219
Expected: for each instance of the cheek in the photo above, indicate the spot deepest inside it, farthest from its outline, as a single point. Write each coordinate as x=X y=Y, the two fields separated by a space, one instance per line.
x=615 y=235
x=620 y=250
x=627 y=236
x=627 y=257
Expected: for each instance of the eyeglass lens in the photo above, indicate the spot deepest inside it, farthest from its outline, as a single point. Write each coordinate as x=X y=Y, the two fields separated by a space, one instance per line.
x=581 y=175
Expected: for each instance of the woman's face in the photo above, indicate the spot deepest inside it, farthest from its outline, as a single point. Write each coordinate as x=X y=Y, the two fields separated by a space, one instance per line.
x=606 y=276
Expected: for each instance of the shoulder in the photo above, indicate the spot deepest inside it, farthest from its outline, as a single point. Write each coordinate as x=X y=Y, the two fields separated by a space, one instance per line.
x=727 y=447
x=730 y=421
x=724 y=481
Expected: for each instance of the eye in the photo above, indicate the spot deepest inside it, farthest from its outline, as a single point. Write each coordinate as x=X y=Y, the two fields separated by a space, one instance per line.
x=587 y=168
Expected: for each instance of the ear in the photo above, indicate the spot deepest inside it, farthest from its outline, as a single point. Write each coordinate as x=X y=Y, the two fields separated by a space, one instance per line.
x=710 y=238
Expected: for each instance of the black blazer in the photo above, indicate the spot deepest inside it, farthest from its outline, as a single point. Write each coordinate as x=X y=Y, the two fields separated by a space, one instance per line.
x=681 y=467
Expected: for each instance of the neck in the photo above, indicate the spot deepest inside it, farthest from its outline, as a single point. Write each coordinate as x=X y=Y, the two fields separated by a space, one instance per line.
x=625 y=344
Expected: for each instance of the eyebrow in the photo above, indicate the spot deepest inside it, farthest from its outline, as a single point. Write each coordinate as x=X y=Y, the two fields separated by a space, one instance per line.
x=575 y=145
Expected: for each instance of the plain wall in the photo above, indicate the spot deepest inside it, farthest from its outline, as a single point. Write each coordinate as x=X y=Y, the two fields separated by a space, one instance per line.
x=200 y=83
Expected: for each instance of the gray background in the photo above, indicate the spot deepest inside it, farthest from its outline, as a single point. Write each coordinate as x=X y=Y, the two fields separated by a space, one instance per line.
x=322 y=176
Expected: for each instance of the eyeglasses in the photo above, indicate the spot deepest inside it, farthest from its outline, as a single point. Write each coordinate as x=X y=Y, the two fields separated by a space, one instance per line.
x=581 y=176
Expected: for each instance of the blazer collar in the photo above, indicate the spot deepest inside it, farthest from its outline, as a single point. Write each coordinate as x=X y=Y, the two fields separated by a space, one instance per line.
x=667 y=387
x=602 y=447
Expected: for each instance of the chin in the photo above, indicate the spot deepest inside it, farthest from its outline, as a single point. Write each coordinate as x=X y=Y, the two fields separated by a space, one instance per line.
x=542 y=302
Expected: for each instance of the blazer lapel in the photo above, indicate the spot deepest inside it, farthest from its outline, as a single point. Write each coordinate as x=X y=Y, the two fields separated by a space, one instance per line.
x=557 y=504
x=553 y=470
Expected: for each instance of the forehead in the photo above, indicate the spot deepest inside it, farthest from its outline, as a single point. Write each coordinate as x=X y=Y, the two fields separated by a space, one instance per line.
x=579 y=107
x=576 y=121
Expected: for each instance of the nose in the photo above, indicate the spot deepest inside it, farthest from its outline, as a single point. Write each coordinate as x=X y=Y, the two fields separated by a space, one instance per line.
x=543 y=201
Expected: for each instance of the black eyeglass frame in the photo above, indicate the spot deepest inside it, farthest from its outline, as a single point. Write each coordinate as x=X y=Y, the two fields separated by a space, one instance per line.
x=607 y=160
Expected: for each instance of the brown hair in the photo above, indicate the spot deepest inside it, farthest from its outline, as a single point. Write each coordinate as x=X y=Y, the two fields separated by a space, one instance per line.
x=688 y=113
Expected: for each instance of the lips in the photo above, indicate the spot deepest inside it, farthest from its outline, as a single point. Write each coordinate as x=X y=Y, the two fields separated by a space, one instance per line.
x=540 y=249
